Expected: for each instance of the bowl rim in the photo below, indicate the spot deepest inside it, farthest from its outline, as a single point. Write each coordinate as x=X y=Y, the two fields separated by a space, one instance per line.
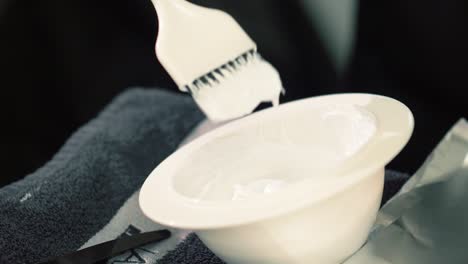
x=160 y=202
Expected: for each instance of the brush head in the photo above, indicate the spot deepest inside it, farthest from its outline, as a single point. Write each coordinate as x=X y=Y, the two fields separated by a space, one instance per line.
x=237 y=87
x=208 y=54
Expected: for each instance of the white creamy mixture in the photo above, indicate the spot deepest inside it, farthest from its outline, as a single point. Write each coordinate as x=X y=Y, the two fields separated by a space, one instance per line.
x=264 y=158
x=263 y=186
x=348 y=129
x=239 y=90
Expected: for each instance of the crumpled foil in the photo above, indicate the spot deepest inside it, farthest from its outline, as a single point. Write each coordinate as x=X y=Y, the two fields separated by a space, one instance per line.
x=427 y=221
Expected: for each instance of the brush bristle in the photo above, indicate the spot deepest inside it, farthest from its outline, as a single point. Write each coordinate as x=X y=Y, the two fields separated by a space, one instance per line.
x=215 y=76
x=237 y=87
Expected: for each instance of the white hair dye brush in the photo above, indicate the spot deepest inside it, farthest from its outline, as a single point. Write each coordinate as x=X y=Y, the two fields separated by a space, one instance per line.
x=209 y=55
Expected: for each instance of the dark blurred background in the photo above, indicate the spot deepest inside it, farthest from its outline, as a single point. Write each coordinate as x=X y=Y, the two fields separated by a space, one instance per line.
x=61 y=62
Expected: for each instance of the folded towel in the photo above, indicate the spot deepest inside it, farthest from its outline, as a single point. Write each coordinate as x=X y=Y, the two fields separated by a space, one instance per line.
x=63 y=204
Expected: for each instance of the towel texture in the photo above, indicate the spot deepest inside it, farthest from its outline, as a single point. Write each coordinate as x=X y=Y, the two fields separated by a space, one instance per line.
x=62 y=205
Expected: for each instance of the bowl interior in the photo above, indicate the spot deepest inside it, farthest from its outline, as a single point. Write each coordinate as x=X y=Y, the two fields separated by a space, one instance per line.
x=271 y=152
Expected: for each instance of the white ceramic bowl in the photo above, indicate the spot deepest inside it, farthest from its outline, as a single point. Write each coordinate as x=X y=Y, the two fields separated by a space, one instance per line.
x=311 y=198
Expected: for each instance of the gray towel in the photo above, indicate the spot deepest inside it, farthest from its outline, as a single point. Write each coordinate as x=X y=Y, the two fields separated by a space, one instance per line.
x=63 y=204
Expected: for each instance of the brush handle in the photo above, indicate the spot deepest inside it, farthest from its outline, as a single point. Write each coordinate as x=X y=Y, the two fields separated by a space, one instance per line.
x=193 y=40
x=110 y=248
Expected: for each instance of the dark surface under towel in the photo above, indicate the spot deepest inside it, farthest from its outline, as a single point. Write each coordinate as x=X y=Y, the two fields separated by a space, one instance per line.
x=59 y=207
